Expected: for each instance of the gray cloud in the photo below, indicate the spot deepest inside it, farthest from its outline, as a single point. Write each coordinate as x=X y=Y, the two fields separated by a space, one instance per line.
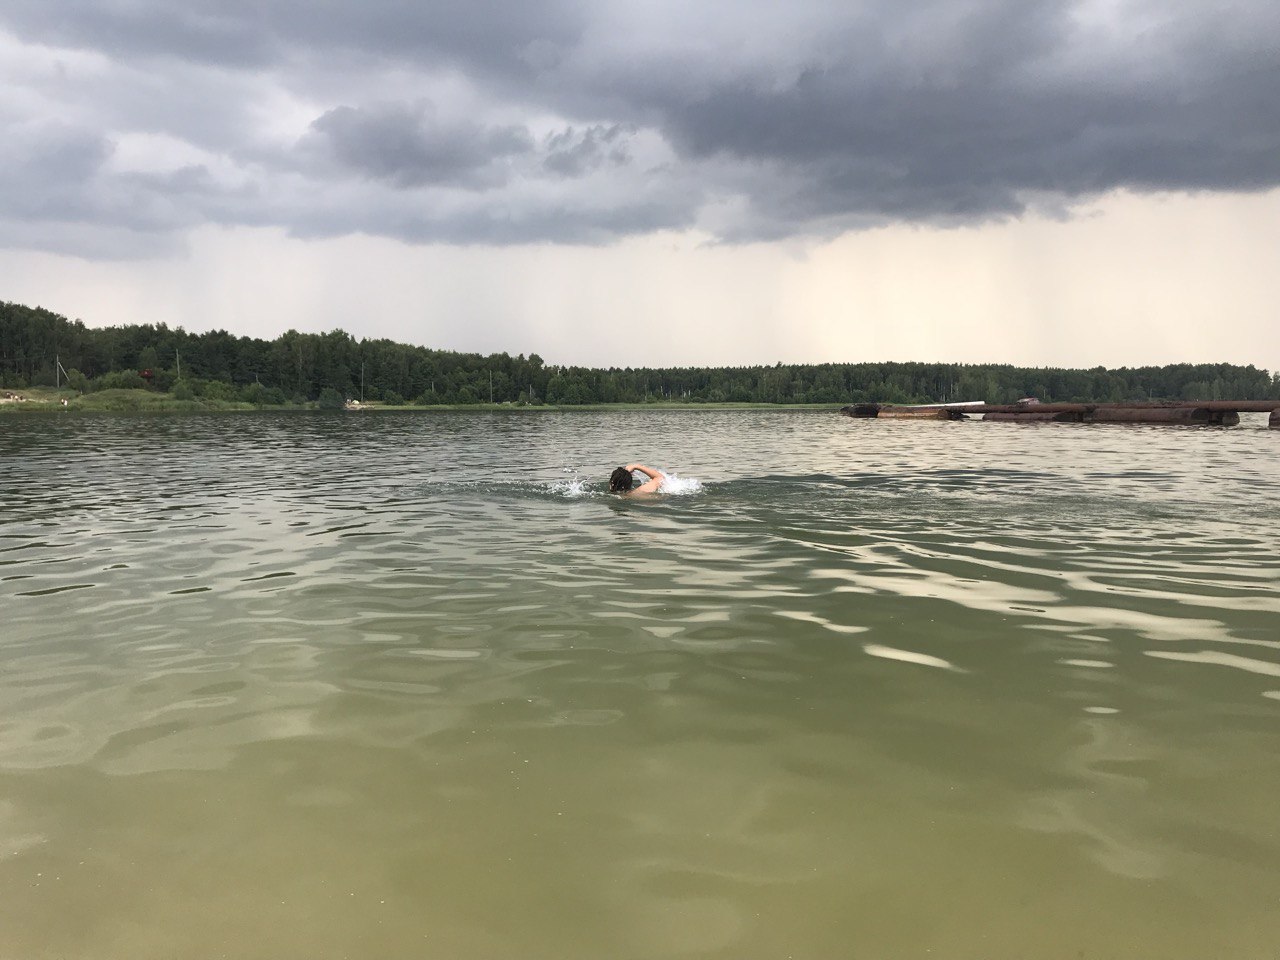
x=573 y=153
x=266 y=33
x=566 y=122
x=55 y=181
x=497 y=226
x=407 y=146
x=1007 y=103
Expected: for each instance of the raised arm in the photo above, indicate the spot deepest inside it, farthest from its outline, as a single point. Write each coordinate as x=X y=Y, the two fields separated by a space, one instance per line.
x=652 y=484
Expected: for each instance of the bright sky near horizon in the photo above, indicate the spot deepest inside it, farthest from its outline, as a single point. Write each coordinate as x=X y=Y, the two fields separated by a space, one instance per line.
x=656 y=183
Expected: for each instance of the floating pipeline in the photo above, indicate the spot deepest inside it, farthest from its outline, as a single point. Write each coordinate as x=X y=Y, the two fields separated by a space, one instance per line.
x=889 y=411
x=1223 y=413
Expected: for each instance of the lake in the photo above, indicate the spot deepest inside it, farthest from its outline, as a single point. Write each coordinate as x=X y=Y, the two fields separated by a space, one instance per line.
x=386 y=685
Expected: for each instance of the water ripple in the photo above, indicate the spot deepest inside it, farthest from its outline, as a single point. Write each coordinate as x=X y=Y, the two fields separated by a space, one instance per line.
x=424 y=657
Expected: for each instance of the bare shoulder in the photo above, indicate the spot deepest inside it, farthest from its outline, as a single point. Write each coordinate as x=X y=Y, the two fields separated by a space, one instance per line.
x=649 y=486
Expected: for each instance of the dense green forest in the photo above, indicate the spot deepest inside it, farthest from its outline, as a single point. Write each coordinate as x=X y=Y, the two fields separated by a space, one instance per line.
x=301 y=367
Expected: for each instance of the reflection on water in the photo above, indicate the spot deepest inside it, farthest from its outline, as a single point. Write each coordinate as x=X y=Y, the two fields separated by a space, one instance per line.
x=388 y=685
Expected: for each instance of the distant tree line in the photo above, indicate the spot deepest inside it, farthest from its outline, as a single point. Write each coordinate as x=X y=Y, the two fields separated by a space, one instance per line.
x=304 y=367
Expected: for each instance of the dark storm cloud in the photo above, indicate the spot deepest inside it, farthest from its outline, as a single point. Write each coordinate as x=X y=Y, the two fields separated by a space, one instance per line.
x=968 y=116
x=573 y=153
x=408 y=147
x=56 y=173
x=176 y=30
x=40 y=159
x=266 y=33
x=57 y=193
x=564 y=122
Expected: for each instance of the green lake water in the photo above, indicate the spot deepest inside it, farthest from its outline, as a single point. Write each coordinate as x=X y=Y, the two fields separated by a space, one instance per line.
x=412 y=685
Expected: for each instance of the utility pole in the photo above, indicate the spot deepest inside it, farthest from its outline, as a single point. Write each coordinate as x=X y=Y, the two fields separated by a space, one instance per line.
x=362 y=381
x=57 y=366
x=491 y=386
x=177 y=360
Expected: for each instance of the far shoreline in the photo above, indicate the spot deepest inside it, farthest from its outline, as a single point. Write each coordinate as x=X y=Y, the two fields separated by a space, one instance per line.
x=50 y=400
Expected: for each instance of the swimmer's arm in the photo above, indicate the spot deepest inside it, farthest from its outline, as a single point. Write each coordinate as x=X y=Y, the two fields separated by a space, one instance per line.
x=649 y=472
x=652 y=484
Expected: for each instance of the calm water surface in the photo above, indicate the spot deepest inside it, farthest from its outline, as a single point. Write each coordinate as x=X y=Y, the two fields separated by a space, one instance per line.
x=401 y=685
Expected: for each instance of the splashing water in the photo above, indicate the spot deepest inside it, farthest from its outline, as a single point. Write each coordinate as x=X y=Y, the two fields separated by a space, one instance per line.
x=672 y=485
x=680 y=486
x=576 y=487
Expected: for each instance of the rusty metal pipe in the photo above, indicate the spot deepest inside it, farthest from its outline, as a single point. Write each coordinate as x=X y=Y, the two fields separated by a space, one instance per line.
x=1225 y=412
x=1036 y=417
x=1238 y=406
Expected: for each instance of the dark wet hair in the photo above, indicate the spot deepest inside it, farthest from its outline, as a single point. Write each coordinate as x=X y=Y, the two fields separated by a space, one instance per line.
x=620 y=480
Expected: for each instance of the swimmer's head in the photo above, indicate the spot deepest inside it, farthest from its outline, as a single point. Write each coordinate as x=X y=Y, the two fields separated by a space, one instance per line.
x=620 y=480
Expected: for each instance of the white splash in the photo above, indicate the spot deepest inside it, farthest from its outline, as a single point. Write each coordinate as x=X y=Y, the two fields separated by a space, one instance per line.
x=577 y=487
x=679 y=486
x=672 y=485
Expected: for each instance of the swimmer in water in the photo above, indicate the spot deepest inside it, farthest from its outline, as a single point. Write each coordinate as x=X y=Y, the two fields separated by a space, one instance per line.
x=620 y=481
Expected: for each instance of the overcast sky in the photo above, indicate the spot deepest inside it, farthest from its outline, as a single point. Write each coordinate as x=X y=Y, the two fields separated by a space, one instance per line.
x=610 y=183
